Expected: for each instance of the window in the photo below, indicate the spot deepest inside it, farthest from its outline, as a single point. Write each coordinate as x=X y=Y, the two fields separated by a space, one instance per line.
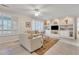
x=5 y=25
x=37 y=26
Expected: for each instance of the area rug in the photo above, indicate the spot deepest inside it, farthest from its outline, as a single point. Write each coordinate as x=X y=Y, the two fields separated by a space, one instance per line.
x=47 y=44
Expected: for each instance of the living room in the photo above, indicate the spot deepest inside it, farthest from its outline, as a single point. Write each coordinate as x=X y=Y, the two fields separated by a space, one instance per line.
x=37 y=29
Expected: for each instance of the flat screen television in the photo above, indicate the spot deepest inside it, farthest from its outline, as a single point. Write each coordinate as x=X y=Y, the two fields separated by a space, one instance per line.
x=54 y=27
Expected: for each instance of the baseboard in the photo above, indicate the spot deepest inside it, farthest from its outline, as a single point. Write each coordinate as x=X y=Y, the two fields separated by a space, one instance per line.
x=9 y=41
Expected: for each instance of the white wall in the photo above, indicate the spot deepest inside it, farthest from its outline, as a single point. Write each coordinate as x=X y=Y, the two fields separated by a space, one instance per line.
x=77 y=28
x=22 y=24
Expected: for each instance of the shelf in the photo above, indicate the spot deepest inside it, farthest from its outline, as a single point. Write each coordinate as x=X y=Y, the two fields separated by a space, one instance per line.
x=67 y=25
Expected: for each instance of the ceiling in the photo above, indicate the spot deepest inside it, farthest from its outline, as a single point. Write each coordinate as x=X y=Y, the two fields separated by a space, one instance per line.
x=48 y=11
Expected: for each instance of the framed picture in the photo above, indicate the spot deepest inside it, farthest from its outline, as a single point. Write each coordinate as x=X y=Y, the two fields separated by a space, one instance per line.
x=28 y=24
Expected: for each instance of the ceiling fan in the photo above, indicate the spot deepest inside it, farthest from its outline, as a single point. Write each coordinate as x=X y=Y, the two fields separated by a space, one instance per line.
x=37 y=12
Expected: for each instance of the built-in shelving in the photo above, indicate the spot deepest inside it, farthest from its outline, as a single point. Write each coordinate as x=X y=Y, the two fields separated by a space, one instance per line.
x=66 y=28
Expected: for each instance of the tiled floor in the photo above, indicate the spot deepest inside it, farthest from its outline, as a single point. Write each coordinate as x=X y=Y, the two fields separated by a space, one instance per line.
x=61 y=48
x=13 y=49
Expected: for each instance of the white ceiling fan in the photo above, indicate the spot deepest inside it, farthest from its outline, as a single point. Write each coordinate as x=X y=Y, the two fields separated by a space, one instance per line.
x=37 y=12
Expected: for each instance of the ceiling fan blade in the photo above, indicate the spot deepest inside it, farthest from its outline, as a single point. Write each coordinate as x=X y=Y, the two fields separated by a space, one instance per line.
x=4 y=5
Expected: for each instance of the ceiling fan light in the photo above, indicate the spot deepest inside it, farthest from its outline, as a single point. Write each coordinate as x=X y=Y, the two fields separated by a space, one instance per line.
x=37 y=13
